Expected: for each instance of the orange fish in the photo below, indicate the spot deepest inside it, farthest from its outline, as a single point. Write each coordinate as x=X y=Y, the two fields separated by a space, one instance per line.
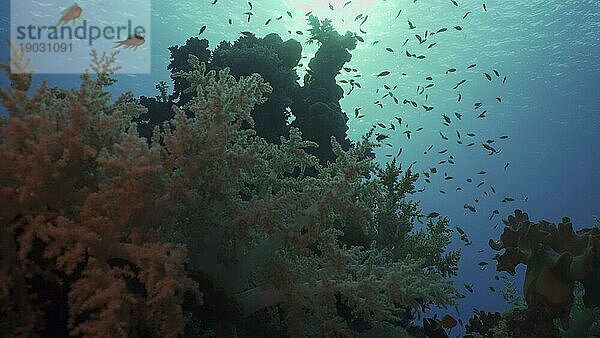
x=72 y=13
x=132 y=41
x=448 y=322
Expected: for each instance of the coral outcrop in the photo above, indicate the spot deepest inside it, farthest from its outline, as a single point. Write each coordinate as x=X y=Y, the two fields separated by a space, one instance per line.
x=202 y=230
x=315 y=106
x=556 y=257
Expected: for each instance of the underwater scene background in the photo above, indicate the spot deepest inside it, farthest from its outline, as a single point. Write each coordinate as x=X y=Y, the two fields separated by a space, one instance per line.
x=536 y=148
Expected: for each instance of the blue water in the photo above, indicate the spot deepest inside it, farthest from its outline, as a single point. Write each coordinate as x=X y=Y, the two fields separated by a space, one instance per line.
x=548 y=50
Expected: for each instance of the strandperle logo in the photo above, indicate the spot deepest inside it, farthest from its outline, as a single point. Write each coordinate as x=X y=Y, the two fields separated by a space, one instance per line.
x=58 y=37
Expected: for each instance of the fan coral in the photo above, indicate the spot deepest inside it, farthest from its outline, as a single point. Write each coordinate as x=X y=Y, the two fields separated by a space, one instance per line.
x=556 y=257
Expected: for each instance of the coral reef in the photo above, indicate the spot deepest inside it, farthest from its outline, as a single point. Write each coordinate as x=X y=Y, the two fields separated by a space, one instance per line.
x=317 y=109
x=315 y=105
x=202 y=228
x=556 y=257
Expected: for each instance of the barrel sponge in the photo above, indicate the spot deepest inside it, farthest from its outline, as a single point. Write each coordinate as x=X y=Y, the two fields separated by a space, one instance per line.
x=556 y=256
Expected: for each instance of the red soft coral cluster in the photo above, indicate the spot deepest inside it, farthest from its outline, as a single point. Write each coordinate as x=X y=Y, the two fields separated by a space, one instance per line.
x=77 y=251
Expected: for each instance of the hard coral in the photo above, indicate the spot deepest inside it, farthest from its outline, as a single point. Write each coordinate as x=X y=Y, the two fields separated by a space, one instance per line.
x=556 y=257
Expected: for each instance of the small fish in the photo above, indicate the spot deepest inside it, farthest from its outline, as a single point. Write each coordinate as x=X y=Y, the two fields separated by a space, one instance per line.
x=442 y=30
x=132 y=41
x=202 y=29
x=467 y=13
x=443 y=136
x=493 y=190
x=504 y=80
x=389 y=49
x=346 y=4
x=459 y=83
x=381 y=137
x=71 y=13
x=454 y=3
x=446 y=118
x=484 y=7
x=448 y=322
x=331 y=7
x=458 y=28
x=469 y=287
x=250 y=5
x=499 y=99
x=384 y=73
x=230 y=22
x=451 y=70
x=433 y=215
x=249 y=14
x=397 y=15
x=496 y=72
x=490 y=148
x=508 y=199
x=480 y=184
x=506 y=165
x=410 y=25
x=470 y=207
x=289 y=13
x=433 y=328
x=488 y=76
x=267 y=22
x=482 y=115
x=458 y=116
x=482 y=263
x=472 y=65
x=481 y=173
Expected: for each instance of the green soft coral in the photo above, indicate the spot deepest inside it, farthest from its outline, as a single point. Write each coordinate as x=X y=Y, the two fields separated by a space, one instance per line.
x=272 y=237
